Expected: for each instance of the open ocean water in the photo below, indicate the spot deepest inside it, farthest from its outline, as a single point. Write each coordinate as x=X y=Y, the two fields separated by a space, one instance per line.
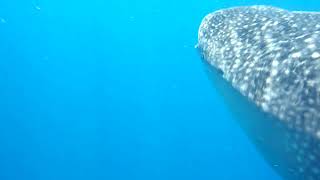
x=115 y=90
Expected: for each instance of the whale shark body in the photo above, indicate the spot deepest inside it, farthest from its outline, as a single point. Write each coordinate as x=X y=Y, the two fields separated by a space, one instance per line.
x=265 y=61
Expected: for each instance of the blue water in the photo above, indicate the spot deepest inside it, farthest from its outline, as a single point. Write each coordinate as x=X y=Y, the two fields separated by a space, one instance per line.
x=115 y=90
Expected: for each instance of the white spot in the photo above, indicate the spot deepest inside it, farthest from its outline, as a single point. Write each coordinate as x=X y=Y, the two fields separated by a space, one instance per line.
x=312 y=157
x=287 y=71
x=274 y=72
x=282 y=116
x=236 y=65
x=268 y=80
x=267 y=90
x=248 y=70
x=308 y=40
x=267 y=97
x=275 y=63
x=311 y=83
x=311 y=46
x=307 y=72
x=318 y=134
x=296 y=55
x=265 y=107
x=243 y=87
x=315 y=55
x=310 y=101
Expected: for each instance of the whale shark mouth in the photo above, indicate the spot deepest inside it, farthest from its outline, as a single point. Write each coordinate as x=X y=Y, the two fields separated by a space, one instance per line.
x=271 y=56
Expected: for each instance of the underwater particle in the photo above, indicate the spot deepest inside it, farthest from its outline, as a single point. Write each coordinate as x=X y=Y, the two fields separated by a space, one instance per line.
x=155 y=11
x=275 y=165
x=37 y=8
x=36 y=5
x=45 y=58
x=132 y=18
x=3 y=21
x=174 y=86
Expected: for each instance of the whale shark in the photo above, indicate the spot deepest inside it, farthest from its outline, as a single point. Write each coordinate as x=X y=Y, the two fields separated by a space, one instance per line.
x=265 y=62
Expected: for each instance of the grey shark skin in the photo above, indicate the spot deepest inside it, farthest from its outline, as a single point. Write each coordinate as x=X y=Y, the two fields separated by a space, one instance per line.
x=265 y=61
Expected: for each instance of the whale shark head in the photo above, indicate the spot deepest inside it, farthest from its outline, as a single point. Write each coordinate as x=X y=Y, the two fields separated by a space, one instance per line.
x=265 y=61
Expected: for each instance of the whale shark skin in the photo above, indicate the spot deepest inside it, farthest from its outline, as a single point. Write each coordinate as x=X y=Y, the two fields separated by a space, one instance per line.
x=265 y=61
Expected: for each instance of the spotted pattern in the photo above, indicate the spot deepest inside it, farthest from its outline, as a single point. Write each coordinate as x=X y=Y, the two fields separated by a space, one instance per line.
x=272 y=56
